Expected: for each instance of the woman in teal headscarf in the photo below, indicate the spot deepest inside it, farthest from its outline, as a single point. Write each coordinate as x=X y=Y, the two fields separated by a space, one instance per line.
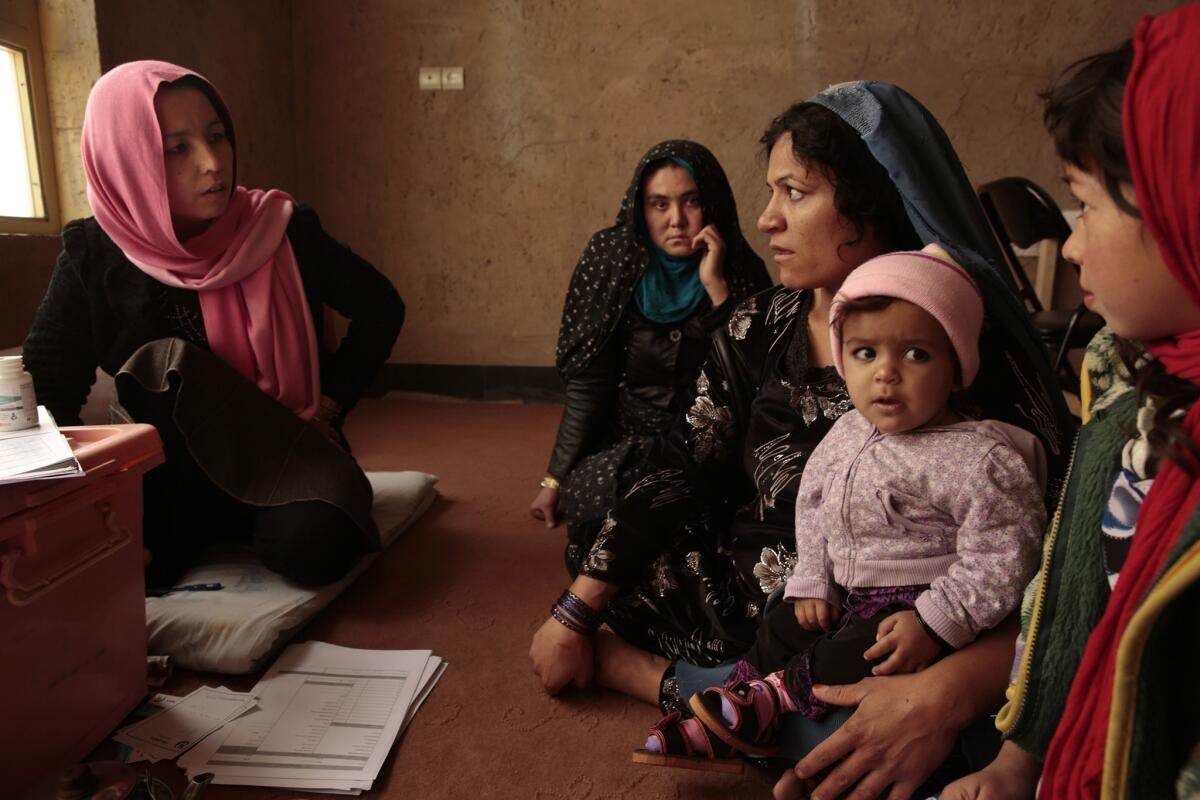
x=643 y=302
x=684 y=563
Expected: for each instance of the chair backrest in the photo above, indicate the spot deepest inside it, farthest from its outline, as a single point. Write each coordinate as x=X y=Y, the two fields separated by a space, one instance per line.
x=1023 y=214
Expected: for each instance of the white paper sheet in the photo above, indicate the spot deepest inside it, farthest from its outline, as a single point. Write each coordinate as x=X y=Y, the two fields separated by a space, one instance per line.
x=172 y=731
x=326 y=719
x=36 y=453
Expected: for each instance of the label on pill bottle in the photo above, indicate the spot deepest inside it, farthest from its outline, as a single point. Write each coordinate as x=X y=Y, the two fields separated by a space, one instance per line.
x=18 y=406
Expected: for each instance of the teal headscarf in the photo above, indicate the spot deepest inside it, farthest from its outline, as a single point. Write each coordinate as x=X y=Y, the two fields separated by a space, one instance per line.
x=670 y=289
x=607 y=275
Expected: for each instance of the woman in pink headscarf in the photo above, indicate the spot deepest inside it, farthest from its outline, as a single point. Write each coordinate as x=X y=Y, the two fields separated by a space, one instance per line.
x=207 y=301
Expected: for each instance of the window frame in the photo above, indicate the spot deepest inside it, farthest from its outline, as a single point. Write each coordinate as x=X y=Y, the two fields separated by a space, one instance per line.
x=26 y=38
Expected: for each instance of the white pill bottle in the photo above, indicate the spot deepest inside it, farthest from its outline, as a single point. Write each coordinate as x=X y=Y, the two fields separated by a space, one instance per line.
x=18 y=406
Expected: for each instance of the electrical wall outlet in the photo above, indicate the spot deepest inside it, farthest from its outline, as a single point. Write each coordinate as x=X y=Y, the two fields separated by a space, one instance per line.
x=452 y=78
x=430 y=78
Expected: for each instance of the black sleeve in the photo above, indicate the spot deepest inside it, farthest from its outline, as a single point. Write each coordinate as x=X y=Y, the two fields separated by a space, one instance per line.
x=695 y=477
x=713 y=319
x=360 y=293
x=587 y=409
x=59 y=352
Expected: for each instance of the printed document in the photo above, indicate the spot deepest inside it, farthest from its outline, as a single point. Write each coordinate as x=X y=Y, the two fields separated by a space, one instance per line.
x=34 y=453
x=326 y=718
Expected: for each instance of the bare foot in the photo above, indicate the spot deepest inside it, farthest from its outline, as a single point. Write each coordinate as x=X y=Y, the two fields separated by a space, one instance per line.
x=624 y=668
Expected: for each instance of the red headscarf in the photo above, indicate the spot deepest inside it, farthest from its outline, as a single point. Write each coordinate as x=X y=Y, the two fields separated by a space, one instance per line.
x=1161 y=120
x=255 y=313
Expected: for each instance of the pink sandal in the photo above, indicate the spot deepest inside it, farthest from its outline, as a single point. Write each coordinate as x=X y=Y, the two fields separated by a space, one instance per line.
x=678 y=742
x=744 y=715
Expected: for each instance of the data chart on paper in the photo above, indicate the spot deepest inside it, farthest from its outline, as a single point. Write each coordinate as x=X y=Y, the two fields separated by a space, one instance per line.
x=332 y=720
x=27 y=453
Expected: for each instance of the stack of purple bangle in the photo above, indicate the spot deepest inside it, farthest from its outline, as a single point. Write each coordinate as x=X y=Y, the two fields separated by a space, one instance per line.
x=576 y=615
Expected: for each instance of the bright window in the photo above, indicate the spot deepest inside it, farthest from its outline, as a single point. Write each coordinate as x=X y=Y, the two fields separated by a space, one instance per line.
x=28 y=191
x=20 y=182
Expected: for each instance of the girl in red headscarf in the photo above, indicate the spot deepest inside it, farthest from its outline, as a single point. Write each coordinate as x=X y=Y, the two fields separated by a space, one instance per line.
x=1105 y=702
x=205 y=300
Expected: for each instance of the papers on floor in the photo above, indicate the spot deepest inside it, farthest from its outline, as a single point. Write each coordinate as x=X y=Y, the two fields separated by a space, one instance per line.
x=326 y=718
x=183 y=722
x=35 y=453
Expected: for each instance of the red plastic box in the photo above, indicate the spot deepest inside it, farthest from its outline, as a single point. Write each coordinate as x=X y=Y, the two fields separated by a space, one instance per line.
x=72 y=607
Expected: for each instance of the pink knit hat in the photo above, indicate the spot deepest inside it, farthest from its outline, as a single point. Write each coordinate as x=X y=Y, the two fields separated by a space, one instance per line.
x=929 y=279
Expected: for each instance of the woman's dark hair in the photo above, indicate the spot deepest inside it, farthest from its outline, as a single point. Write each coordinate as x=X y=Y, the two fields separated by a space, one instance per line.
x=203 y=86
x=652 y=169
x=1083 y=115
x=863 y=193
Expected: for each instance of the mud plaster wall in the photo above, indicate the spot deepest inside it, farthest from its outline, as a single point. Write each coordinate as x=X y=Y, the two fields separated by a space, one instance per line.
x=68 y=41
x=72 y=62
x=477 y=203
x=244 y=48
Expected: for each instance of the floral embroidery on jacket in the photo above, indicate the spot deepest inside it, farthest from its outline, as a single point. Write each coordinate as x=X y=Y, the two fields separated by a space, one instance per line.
x=739 y=320
x=773 y=568
x=711 y=423
x=599 y=557
x=663 y=581
x=827 y=399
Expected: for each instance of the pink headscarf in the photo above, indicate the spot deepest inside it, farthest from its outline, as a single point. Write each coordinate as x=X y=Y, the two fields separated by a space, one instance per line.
x=256 y=316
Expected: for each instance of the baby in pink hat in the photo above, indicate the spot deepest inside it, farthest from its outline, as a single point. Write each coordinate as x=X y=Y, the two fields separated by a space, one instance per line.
x=917 y=527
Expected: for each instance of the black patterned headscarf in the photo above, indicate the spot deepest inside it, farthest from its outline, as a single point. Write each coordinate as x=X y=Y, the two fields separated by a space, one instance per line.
x=615 y=258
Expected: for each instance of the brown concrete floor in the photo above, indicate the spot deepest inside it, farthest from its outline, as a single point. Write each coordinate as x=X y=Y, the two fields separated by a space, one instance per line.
x=473 y=580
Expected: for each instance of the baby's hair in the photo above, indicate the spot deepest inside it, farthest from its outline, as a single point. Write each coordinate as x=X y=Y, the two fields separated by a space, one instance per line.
x=878 y=302
x=861 y=305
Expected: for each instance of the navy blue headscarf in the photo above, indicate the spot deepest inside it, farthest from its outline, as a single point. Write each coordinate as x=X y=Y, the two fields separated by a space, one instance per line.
x=1015 y=382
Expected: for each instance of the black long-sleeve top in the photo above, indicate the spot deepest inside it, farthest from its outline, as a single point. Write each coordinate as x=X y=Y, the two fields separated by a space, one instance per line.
x=635 y=384
x=100 y=308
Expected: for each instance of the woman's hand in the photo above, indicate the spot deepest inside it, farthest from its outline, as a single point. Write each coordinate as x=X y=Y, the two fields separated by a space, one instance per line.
x=898 y=735
x=813 y=613
x=712 y=263
x=902 y=635
x=544 y=507
x=1012 y=776
x=561 y=657
x=327 y=411
x=905 y=725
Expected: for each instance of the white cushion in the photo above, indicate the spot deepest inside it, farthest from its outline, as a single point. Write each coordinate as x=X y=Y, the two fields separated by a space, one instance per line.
x=234 y=630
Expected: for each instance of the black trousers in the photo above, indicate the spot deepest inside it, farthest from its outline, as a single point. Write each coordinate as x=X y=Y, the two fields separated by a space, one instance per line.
x=310 y=542
x=806 y=657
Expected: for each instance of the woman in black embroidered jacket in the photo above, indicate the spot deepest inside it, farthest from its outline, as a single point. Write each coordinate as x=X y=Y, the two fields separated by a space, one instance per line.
x=644 y=299
x=685 y=561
